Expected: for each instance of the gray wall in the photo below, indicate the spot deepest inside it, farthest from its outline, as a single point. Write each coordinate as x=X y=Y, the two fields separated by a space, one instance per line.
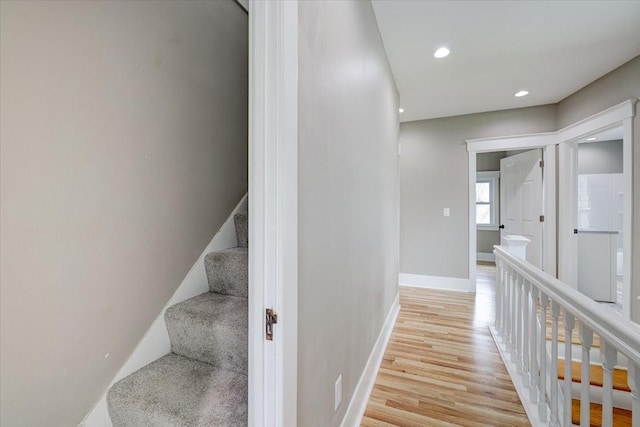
x=124 y=149
x=489 y=161
x=618 y=86
x=348 y=201
x=434 y=175
x=486 y=239
x=600 y=157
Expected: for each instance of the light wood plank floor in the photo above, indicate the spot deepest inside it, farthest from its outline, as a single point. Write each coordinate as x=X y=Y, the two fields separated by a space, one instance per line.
x=441 y=366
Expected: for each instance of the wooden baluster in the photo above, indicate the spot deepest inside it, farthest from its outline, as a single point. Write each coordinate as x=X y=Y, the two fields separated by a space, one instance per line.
x=542 y=377
x=507 y=309
x=526 y=332
x=569 y=324
x=498 y=320
x=503 y=305
x=518 y=322
x=507 y=313
x=533 y=359
x=553 y=368
x=512 y=320
x=609 y=358
x=586 y=336
x=633 y=379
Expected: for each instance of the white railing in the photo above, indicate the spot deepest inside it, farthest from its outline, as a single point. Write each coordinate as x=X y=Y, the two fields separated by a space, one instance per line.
x=524 y=297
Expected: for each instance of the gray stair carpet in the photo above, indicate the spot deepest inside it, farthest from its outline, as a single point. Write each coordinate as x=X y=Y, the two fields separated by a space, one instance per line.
x=242 y=229
x=227 y=271
x=203 y=381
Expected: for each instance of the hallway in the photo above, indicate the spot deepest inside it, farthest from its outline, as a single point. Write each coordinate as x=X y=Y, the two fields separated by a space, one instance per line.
x=441 y=366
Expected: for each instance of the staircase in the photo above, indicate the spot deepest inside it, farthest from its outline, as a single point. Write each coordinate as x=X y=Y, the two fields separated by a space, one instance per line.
x=203 y=381
x=572 y=360
x=622 y=415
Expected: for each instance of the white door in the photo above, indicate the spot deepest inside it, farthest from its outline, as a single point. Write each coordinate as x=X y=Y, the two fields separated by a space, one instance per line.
x=521 y=202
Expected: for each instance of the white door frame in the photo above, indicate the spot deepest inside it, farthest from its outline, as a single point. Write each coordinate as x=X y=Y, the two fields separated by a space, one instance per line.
x=545 y=141
x=618 y=115
x=621 y=114
x=273 y=211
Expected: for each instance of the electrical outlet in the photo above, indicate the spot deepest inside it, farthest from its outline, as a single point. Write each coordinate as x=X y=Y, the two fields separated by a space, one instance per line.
x=338 y=392
x=446 y=212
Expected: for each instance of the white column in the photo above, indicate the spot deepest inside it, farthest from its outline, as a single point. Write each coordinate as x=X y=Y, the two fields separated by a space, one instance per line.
x=517 y=245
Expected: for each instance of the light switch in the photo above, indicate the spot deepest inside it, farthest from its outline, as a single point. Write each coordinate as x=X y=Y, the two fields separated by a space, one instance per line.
x=446 y=212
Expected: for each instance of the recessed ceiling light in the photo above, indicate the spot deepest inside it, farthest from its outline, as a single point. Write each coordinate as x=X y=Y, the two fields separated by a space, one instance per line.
x=400 y=110
x=441 y=52
x=593 y=138
x=522 y=93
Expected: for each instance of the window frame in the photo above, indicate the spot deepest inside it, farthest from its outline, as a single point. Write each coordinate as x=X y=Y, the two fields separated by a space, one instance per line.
x=493 y=178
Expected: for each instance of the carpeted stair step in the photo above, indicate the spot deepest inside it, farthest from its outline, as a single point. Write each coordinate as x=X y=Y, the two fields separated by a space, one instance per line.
x=211 y=328
x=177 y=391
x=241 y=222
x=228 y=271
x=596 y=375
x=621 y=417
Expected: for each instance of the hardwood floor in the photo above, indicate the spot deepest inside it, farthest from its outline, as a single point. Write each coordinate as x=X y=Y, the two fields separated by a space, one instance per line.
x=441 y=366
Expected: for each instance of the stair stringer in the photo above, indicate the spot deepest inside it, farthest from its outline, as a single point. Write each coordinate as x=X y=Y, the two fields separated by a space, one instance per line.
x=155 y=342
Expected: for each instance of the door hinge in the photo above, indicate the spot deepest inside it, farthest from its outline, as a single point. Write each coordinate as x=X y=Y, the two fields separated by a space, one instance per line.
x=541 y=218
x=270 y=320
x=541 y=163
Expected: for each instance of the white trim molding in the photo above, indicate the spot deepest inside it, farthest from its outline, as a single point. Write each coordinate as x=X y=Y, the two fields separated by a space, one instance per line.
x=438 y=282
x=273 y=211
x=360 y=398
x=608 y=118
x=618 y=115
x=243 y=4
x=546 y=142
x=522 y=389
x=515 y=142
x=486 y=257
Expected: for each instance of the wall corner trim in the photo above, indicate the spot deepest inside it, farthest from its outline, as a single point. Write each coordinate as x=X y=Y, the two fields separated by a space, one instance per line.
x=360 y=398
x=437 y=282
x=155 y=342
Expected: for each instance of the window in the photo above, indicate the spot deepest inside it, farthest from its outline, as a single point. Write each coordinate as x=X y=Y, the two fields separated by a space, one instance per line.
x=487 y=200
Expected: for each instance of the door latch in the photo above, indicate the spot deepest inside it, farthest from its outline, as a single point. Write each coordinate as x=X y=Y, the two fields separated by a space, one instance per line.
x=270 y=319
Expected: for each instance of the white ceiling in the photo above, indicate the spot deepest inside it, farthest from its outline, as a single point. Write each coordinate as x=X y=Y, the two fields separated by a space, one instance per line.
x=550 y=48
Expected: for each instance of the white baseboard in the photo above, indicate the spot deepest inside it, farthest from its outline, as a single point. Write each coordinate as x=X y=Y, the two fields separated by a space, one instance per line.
x=358 y=403
x=155 y=343
x=486 y=257
x=436 y=282
x=523 y=391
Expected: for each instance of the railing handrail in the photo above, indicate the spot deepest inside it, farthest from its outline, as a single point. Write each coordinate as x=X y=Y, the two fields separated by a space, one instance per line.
x=616 y=330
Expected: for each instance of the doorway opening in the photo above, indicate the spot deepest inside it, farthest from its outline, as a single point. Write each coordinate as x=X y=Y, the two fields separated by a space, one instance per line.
x=509 y=202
